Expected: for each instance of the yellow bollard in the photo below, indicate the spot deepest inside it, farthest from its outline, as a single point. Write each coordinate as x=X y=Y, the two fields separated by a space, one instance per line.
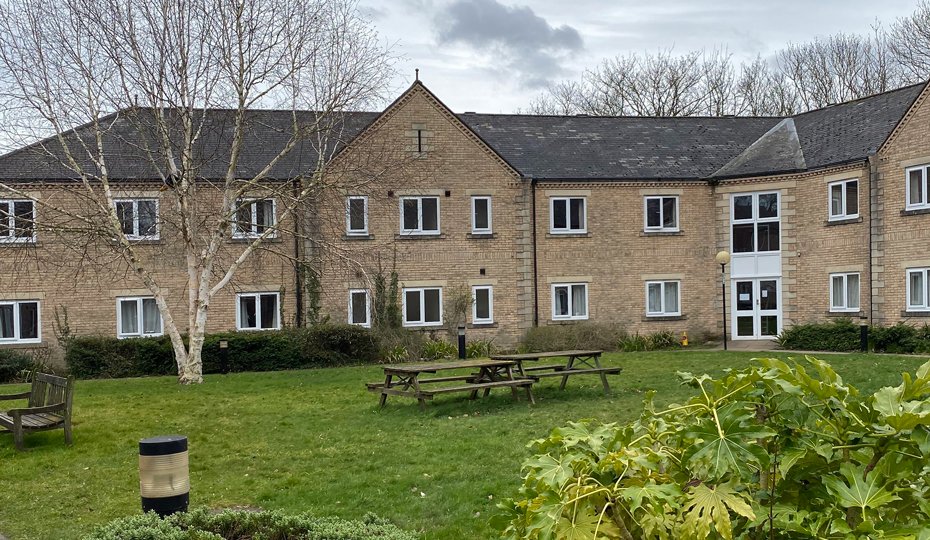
x=684 y=339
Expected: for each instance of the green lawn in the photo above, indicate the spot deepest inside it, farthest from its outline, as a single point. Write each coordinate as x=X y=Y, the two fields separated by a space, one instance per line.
x=316 y=440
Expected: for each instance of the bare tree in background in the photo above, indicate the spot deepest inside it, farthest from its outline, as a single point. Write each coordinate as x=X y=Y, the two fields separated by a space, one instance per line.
x=156 y=65
x=910 y=42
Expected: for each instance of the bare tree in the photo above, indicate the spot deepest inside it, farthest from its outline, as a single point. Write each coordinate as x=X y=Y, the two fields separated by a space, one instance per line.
x=910 y=42
x=149 y=78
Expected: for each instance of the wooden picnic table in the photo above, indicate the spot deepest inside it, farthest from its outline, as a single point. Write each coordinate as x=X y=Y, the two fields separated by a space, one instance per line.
x=579 y=362
x=404 y=380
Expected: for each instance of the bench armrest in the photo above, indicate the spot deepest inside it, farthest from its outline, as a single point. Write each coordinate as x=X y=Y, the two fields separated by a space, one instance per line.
x=24 y=395
x=37 y=410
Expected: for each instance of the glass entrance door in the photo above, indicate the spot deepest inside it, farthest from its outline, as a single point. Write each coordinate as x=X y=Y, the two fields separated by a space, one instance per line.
x=757 y=308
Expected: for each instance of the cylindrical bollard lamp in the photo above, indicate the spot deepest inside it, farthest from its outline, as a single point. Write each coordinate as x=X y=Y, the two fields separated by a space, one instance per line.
x=461 y=342
x=164 y=478
x=224 y=357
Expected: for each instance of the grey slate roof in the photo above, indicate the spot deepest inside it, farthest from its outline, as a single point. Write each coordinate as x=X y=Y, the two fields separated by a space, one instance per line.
x=778 y=150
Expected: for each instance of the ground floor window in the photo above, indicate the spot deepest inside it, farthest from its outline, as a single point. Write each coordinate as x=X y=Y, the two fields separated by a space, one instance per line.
x=663 y=298
x=19 y=321
x=257 y=311
x=483 y=307
x=138 y=317
x=360 y=307
x=844 y=292
x=569 y=301
x=917 y=289
x=423 y=306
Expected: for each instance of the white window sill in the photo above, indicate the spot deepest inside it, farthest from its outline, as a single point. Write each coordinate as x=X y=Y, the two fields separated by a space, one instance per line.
x=568 y=231
x=17 y=240
x=422 y=325
x=256 y=329
x=31 y=344
x=357 y=233
x=419 y=236
x=664 y=314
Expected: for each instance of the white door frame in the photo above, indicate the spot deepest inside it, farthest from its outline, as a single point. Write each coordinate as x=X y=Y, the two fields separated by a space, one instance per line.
x=756 y=312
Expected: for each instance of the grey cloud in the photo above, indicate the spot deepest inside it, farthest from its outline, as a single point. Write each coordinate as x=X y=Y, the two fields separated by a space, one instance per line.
x=524 y=42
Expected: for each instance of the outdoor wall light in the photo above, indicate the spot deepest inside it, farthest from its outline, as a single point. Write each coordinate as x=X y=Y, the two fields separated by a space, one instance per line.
x=723 y=257
x=164 y=477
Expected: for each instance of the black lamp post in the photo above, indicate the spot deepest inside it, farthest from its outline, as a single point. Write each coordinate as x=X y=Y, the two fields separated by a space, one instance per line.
x=723 y=258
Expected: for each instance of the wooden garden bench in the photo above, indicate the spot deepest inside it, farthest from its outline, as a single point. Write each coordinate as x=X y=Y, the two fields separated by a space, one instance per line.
x=49 y=408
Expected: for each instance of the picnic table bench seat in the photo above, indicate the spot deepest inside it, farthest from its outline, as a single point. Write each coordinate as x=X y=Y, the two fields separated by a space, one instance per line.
x=580 y=362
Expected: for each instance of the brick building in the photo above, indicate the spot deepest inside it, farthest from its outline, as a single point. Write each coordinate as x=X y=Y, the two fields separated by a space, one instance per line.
x=555 y=220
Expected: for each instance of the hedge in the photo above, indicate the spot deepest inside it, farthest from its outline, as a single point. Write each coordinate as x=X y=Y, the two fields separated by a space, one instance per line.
x=843 y=335
x=319 y=346
x=200 y=524
x=13 y=364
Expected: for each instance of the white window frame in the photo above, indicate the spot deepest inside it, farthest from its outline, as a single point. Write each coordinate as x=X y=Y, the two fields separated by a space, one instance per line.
x=925 y=272
x=924 y=183
x=11 y=223
x=661 y=227
x=16 y=317
x=367 y=323
x=570 y=317
x=845 y=307
x=141 y=333
x=568 y=217
x=253 y=204
x=258 y=310
x=663 y=312
x=135 y=218
x=419 y=230
x=421 y=322
x=474 y=226
x=843 y=214
x=474 y=311
x=755 y=220
x=349 y=230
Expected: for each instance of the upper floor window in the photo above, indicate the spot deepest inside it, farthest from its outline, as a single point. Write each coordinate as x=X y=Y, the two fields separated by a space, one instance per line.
x=138 y=317
x=257 y=311
x=755 y=223
x=917 y=289
x=661 y=213
x=360 y=307
x=917 y=178
x=423 y=306
x=844 y=292
x=568 y=214
x=138 y=218
x=253 y=218
x=663 y=298
x=357 y=215
x=19 y=321
x=17 y=221
x=481 y=215
x=844 y=199
x=569 y=301
x=419 y=215
x=483 y=306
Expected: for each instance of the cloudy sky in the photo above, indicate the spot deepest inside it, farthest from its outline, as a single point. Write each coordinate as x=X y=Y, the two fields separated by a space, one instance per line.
x=496 y=55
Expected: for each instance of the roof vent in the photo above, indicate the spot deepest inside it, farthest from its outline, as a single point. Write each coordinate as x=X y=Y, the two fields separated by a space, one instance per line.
x=469 y=112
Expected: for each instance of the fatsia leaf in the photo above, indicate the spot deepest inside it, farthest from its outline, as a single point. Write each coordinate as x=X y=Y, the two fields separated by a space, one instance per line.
x=587 y=434
x=580 y=525
x=549 y=470
x=712 y=507
x=923 y=372
x=657 y=493
x=859 y=493
x=901 y=415
x=731 y=448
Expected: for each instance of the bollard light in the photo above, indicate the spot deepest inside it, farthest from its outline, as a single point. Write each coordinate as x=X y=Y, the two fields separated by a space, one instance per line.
x=461 y=342
x=224 y=357
x=164 y=477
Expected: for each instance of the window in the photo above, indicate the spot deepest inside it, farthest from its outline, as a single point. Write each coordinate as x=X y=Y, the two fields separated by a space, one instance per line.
x=569 y=301
x=568 y=215
x=481 y=215
x=483 y=307
x=17 y=221
x=360 y=307
x=253 y=218
x=661 y=213
x=423 y=306
x=138 y=218
x=917 y=178
x=755 y=225
x=19 y=322
x=844 y=292
x=257 y=311
x=844 y=199
x=419 y=215
x=357 y=215
x=138 y=317
x=917 y=289
x=663 y=298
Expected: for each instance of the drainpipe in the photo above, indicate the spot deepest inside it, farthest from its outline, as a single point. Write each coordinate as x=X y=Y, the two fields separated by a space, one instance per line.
x=535 y=257
x=871 y=234
x=298 y=278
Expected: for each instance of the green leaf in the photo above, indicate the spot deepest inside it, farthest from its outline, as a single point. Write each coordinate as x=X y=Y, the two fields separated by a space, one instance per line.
x=731 y=448
x=581 y=526
x=657 y=493
x=712 y=507
x=901 y=415
x=549 y=470
x=859 y=493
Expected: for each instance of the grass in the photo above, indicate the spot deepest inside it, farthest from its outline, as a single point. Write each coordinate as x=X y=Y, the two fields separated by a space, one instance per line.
x=316 y=440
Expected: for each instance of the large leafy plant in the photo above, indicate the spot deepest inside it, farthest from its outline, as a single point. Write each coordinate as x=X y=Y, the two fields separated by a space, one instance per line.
x=772 y=451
